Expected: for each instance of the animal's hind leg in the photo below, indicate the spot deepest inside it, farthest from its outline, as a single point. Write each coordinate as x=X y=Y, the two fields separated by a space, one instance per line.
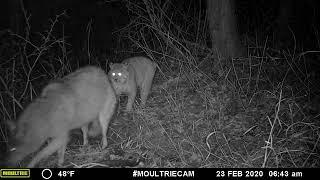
x=105 y=117
x=84 y=130
x=53 y=146
x=145 y=90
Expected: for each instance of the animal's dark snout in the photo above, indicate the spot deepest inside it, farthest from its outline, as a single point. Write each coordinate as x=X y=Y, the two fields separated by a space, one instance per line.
x=117 y=80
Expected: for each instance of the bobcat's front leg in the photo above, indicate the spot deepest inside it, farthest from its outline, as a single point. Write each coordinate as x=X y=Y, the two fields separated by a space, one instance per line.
x=131 y=98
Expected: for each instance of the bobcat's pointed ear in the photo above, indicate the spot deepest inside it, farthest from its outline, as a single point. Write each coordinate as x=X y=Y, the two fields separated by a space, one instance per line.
x=110 y=65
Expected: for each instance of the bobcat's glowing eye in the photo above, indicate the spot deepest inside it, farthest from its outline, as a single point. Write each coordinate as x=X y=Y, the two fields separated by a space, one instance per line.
x=113 y=74
x=119 y=74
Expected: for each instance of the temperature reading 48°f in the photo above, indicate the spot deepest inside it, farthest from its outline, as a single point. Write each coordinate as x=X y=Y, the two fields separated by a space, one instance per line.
x=66 y=173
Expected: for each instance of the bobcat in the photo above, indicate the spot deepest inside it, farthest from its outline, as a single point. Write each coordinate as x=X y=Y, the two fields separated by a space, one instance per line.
x=69 y=103
x=126 y=77
x=133 y=73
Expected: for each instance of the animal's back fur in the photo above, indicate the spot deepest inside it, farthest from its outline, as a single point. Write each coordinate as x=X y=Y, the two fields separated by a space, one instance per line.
x=143 y=68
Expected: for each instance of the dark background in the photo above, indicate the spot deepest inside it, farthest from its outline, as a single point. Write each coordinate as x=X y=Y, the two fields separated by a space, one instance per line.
x=256 y=17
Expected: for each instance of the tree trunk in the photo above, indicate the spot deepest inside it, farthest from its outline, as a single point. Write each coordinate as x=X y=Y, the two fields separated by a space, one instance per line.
x=283 y=35
x=223 y=29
